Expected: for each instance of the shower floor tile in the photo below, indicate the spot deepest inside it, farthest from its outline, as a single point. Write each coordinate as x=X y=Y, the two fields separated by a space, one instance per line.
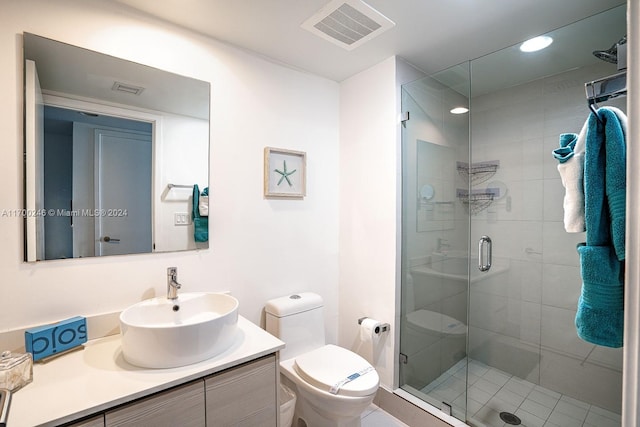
x=492 y=391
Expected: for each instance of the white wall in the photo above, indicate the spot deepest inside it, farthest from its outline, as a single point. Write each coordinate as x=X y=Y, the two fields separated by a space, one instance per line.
x=370 y=206
x=259 y=249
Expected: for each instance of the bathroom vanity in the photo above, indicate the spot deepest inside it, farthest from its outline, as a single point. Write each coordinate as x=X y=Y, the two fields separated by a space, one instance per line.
x=97 y=387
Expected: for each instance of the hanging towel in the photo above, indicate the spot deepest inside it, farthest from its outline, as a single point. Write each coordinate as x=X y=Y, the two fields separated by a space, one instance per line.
x=203 y=203
x=617 y=187
x=605 y=182
x=622 y=117
x=570 y=156
x=200 y=223
x=600 y=315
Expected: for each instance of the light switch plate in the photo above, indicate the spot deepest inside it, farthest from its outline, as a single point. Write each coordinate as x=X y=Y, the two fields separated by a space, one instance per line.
x=181 y=218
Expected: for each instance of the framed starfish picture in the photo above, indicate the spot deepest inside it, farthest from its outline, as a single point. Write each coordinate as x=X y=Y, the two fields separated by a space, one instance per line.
x=284 y=173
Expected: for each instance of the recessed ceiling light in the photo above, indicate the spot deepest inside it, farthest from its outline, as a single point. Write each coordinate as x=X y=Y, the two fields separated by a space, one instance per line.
x=535 y=44
x=459 y=110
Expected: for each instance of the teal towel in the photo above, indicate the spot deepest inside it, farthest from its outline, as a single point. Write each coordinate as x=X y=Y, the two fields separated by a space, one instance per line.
x=605 y=182
x=567 y=144
x=616 y=180
x=200 y=223
x=599 y=318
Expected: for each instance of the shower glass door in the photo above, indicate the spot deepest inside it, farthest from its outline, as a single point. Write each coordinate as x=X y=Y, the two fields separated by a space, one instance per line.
x=435 y=155
x=498 y=346
x=526 y=362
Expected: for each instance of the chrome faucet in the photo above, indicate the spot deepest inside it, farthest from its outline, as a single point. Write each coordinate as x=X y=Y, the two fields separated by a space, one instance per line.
x=172 y=283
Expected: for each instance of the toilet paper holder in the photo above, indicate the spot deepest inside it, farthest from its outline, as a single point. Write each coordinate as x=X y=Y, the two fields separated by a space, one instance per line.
x=384 y=327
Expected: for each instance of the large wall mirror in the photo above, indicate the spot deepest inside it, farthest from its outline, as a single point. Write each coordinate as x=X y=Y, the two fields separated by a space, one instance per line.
x=116 y=155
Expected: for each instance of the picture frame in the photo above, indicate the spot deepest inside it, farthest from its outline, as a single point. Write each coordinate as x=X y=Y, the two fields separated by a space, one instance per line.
x=285 y=173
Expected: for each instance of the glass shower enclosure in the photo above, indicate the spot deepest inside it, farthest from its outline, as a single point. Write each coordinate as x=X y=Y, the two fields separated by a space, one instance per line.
x=490 y=277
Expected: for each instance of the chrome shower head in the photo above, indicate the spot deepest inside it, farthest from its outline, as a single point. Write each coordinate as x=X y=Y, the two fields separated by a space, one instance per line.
x=611 y=54
x=607 y=55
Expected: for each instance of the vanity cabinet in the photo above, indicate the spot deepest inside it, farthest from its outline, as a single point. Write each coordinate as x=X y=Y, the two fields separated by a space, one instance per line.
x=181 y=406
x=97 y=421
x=244 y=396
x=239 y=387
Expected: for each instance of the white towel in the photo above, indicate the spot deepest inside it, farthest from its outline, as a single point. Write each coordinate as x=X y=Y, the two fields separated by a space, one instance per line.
x=203 y=205
x=571 y=173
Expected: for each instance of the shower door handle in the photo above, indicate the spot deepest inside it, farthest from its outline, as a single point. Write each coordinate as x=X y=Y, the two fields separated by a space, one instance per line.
x=484 y=262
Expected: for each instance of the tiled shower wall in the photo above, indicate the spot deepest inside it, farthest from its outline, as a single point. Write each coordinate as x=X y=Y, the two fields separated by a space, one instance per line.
x=525 y=325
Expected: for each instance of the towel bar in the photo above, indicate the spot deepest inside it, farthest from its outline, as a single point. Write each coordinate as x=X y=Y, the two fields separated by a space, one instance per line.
x=179 y=186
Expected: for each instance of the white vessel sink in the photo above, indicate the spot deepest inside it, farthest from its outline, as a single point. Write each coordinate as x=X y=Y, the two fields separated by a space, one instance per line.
x=163 y=333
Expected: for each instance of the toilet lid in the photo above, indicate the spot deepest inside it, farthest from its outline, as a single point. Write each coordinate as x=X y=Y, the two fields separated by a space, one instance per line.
x=333 y=366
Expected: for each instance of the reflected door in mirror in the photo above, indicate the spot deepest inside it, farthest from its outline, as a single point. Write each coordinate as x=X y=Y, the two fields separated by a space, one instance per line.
x=123 y=193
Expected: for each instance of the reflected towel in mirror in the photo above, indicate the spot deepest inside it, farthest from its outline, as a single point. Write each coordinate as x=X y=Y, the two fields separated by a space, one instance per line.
x=200 y=223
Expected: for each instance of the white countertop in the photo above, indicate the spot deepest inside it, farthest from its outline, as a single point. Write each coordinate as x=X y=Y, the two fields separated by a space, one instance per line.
x=86 y=382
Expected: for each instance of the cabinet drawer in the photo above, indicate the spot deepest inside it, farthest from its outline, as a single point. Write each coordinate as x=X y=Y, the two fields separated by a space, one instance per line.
x=181 y=406
x=243 y=396
x=97 y=421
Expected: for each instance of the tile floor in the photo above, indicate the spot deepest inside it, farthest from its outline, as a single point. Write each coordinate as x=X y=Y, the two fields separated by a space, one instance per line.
x=492 y=391
x=376 y=417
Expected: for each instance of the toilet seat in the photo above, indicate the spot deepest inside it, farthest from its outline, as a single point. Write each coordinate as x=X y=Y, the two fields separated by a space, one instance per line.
x=330 y=365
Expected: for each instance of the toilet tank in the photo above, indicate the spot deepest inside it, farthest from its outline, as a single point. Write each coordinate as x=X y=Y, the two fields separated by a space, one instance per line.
x=298 y=320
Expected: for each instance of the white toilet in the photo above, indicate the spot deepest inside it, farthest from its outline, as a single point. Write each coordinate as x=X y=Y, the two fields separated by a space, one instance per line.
x=333 y=385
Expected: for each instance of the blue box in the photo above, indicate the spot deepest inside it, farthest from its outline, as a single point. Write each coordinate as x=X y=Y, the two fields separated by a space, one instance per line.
x=44 y=341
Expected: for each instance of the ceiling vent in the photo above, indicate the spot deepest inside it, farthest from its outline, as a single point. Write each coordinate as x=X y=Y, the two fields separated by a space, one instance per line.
x=348 y=23
x=127 y=88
